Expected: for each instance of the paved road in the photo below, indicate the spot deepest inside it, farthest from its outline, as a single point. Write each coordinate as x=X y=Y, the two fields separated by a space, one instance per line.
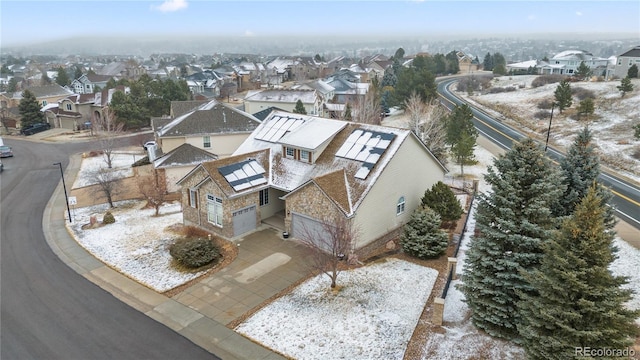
x=626 y=196
x=48 y=311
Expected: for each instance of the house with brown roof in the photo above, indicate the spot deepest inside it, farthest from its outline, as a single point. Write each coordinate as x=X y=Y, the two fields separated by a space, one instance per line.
x=304 y=171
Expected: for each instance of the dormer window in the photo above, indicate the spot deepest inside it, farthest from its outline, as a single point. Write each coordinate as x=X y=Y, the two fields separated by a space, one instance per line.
x=291 y=152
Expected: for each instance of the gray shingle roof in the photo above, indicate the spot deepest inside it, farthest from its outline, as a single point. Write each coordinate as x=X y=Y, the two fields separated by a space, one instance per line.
x=635 y=52
x=179 y=108
x=210 y=118
x=183 y=155
x=49 y=90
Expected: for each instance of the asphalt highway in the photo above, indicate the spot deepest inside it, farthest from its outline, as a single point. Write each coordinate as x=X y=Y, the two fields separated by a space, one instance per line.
x=48 y=311
x=626 y=195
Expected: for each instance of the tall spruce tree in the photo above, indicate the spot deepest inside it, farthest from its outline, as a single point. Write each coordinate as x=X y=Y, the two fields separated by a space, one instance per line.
x=563 y=95
x=583 y=71
x=578 y=302
x=461 y=134
x=625 y=86
x=513 y=221
x=29 y=109
x=580 y=170
x=63 y=78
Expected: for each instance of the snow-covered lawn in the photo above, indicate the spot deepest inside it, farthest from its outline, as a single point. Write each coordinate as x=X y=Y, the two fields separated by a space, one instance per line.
x=137 y=244
x=372 y=316
x=120 y=164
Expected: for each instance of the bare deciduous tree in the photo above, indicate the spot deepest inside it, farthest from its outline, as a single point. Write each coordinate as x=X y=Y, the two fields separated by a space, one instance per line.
x=330 y=245
x=427 y=121
x=107 y=129
x=367 y=110
x=107 y=181
x=153 y=189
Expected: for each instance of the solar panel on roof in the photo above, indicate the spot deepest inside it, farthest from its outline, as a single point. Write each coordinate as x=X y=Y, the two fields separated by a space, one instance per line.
x=244 y=174
x=366 y=146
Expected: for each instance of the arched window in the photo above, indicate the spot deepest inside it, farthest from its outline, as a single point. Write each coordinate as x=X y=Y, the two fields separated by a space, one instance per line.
x=400 y=206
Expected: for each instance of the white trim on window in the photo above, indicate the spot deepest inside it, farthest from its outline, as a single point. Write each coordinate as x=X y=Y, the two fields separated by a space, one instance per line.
x=290 y=152
x=214 y=210
x=304 y=155
x=193 y=198
x=400 y=205
x=206 y=142
x=264 y=197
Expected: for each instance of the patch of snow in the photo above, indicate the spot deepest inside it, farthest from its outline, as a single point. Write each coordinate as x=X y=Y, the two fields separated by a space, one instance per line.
x=120 y=165
x=372 y=316
x=137 y=244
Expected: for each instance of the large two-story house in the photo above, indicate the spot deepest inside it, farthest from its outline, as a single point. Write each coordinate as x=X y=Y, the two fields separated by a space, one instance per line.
x=259 y=100
x=307 y=171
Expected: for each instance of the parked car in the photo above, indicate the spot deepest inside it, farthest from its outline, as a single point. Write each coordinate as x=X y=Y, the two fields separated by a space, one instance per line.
x=35 y=128
x=5 y=151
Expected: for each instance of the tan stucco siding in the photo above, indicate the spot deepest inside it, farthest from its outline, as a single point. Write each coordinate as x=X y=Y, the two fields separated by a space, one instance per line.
x=409 y=173
x=221 y=144
x=174 y=174
x=169 y=144
x=274 y=205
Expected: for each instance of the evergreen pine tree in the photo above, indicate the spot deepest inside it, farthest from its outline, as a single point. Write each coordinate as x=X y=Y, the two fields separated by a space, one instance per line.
x=583 y=71
x=633 y=71
x=513 y=221
x=625 y=86
x=586 y=107
x=443 y=201
x=29 y=109
x=579 y=302
x=299 y=109
x=422 y=235
x=487 y=63
x=63 y=78
x=461 y=135
x=563 y=95
x=580 y=170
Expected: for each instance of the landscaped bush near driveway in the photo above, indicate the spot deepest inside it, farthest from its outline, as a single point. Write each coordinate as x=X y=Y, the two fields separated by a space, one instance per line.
x=194 y=252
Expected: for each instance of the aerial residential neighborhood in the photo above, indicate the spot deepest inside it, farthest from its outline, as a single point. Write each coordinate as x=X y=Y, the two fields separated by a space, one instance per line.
x=320 y=180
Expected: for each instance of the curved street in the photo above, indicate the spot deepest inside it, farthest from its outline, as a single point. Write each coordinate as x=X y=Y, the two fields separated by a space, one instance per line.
x=48 y=310
x=626 y=195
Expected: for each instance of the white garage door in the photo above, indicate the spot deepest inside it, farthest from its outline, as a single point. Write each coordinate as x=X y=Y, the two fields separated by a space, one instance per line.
x=244 y=220
x=303 y=227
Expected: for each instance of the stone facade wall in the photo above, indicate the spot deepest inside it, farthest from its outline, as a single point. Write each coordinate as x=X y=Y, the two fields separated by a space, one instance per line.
x=309 y=201
x=198 y=217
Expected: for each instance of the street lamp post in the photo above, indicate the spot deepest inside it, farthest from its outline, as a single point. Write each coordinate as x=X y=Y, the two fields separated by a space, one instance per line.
x=546 y=144
x=64 y=186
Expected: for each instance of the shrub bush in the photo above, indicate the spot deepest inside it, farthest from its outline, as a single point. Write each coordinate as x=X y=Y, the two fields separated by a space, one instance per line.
x=108 y=218
x=545 y=104
x=443 y=201
x=582 y=93
x=141 y=162
x=542 y=114
x=422 y=236
x=547 y=79
x=194 y=252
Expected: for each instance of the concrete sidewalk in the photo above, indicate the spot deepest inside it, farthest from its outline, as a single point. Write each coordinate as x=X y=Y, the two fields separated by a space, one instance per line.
x=266 y=264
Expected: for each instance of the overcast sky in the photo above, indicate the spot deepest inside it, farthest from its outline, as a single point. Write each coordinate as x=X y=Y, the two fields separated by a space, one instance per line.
x=25 y=21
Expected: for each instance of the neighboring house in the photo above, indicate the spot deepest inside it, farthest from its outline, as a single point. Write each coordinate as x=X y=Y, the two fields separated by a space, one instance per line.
x=467 y=64
x=259 y=100
x=88 y=83
x=119 y=69
x=102 y=100
x=625 y=61
x=72 y=112
x=347 y=91
x=214 y=127
x=48 y=94
x=178 y=162
x=308 y=170
x=564 y=63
